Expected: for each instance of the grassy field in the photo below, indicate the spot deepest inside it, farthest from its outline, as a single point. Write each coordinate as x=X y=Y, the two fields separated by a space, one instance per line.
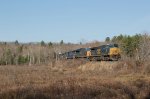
x=74 y=80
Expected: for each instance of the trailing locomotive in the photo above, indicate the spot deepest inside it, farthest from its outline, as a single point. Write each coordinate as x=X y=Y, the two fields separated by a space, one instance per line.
x=104 y=52
x=78 y=53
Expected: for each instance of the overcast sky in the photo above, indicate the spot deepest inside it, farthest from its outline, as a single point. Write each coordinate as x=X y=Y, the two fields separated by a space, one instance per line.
x=71 y=20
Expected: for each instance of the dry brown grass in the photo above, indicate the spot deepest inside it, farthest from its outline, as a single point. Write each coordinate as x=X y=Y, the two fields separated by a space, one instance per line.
x=75 y=79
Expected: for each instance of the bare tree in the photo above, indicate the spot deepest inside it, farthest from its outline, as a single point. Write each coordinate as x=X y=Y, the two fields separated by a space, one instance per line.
x=144 y=48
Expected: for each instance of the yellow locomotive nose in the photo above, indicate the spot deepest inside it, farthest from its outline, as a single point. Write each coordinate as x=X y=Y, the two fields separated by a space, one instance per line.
x=114 y=51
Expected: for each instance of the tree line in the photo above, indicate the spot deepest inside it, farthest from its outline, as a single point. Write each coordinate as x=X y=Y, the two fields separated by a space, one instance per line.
x=14 y=53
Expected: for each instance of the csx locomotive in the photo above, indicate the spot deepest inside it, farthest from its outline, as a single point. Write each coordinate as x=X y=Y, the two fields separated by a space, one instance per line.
x=104 y=52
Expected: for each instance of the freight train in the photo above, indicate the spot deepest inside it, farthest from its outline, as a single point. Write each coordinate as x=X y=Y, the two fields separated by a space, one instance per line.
x=102 y=53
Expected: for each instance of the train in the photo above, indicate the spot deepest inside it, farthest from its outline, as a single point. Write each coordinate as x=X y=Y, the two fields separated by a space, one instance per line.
x=106 y=52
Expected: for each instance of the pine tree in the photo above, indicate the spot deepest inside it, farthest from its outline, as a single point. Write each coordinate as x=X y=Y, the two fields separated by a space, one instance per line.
x=43 y=43
x=50 y=44
x=61 y=42
x=107 y=39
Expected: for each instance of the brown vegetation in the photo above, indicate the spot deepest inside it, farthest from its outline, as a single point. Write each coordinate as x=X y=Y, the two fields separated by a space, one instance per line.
x=68 y=79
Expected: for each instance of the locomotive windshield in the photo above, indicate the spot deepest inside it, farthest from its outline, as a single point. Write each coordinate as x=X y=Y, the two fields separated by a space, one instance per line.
x=113 y=45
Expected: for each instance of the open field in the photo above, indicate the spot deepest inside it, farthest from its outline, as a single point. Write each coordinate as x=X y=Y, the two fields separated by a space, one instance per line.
x=74 y=79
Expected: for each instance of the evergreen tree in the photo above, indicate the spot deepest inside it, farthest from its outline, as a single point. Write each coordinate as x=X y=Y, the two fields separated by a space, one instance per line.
x=61 y=42
x=16 y=42
x=43 y=43
x=50 y=44
x=107 y=39
x=114 y=39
